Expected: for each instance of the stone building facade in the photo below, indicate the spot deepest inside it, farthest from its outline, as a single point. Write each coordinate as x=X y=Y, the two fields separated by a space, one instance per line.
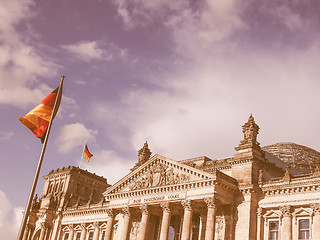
x=250 y=196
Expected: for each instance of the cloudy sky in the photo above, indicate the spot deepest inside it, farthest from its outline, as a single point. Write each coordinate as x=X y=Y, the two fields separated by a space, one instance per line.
x=183 y=75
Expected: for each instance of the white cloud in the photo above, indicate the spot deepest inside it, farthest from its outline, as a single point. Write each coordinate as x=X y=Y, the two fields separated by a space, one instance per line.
x=194 y=26
x=200 y=109
x=74 y=135
x=88 y=51
x=10 y=218
x=293 y=21
x=20 y=64
x=4 y=135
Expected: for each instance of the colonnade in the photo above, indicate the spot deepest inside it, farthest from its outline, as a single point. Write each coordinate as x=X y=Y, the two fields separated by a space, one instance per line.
x=206 y=230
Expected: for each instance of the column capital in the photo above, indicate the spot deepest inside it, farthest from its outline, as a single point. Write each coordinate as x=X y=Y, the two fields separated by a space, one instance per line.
x=259 y=211
x=144 y=209
x=316 y=208
x=187 y=204
x=96 y=224
x=126 y=210
x=71 y=226
x=286 y=210
x=211 y=202
x=110 y=212
x=83 y=226
x=165 y=206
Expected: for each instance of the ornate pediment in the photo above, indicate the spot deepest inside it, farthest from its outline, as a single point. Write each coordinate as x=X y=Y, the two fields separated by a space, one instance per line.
x=158 y=171
x=160 y=175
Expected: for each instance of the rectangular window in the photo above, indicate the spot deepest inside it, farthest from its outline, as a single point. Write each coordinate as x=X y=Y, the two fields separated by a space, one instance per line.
x=304 y=229
x=90 y=236
x=273 y=230
x=78 y=234
x=66 y=236
x=103 y=234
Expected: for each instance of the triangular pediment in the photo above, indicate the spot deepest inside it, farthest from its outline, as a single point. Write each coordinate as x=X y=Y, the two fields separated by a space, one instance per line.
x=158 y=171
x=302 y=212
x=272 y=214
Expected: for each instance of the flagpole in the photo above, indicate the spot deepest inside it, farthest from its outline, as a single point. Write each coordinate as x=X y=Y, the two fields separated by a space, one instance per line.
x=84 y=146
x=35 y=180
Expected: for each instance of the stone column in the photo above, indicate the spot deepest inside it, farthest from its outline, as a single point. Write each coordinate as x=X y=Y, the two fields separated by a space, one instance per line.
x=211 y=218
x=43 y=231
x=109 y=226
x=165 y=224
x=71 y=232
x=187 y=220
x=259 y=224
x=144 y=222
x=202 y=227
x=96 y=231
x=316 y=221
x=83 y=231
x=286 y=228
x=126 y=223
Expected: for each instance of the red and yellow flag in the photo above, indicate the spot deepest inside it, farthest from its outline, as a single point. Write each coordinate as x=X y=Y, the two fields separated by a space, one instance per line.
x=37 y=120
x=86 y=153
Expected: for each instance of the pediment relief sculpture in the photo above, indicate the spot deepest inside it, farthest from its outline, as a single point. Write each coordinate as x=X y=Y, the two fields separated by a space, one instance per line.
x=159 y=175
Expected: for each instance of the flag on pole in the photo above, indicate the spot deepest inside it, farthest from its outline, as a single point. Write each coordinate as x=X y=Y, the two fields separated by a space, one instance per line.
x=86 y=153
x=37 y=120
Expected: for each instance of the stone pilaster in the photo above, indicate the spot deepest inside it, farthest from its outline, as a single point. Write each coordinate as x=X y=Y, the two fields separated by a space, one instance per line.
x=187 y=220
x=56 y=227
x=286 y=227
x=316 y=221
x=144 y=222
x=126 y=223
x=259 y=224
x=165 y=224
x=83 y=231
x=96 y=231
x=211 y=218
x=109 y=226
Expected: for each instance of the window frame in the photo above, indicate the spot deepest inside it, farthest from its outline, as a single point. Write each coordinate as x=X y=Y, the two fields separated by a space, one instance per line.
x=304 y=230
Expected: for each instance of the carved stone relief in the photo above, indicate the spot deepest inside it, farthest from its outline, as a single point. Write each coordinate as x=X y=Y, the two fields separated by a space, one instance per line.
x=159 y=175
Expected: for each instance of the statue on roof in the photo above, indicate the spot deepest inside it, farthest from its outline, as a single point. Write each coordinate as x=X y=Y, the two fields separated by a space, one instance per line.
x=143 y=155
x=250 y=131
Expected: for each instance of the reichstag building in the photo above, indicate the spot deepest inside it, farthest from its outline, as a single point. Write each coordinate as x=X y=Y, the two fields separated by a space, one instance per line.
x=261 y=193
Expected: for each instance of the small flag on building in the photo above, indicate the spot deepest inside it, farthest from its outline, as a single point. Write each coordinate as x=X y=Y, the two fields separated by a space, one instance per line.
x=86 y=153
x=37 y=120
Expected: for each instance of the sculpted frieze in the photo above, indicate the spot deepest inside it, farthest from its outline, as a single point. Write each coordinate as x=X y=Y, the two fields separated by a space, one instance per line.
x=159 y=175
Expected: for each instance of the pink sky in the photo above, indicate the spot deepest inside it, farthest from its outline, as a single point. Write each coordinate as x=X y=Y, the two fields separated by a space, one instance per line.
x=183 y=75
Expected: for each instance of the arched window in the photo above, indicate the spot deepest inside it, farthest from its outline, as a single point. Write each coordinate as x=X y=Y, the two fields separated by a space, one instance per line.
x=61 y=186
x=56 y=187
